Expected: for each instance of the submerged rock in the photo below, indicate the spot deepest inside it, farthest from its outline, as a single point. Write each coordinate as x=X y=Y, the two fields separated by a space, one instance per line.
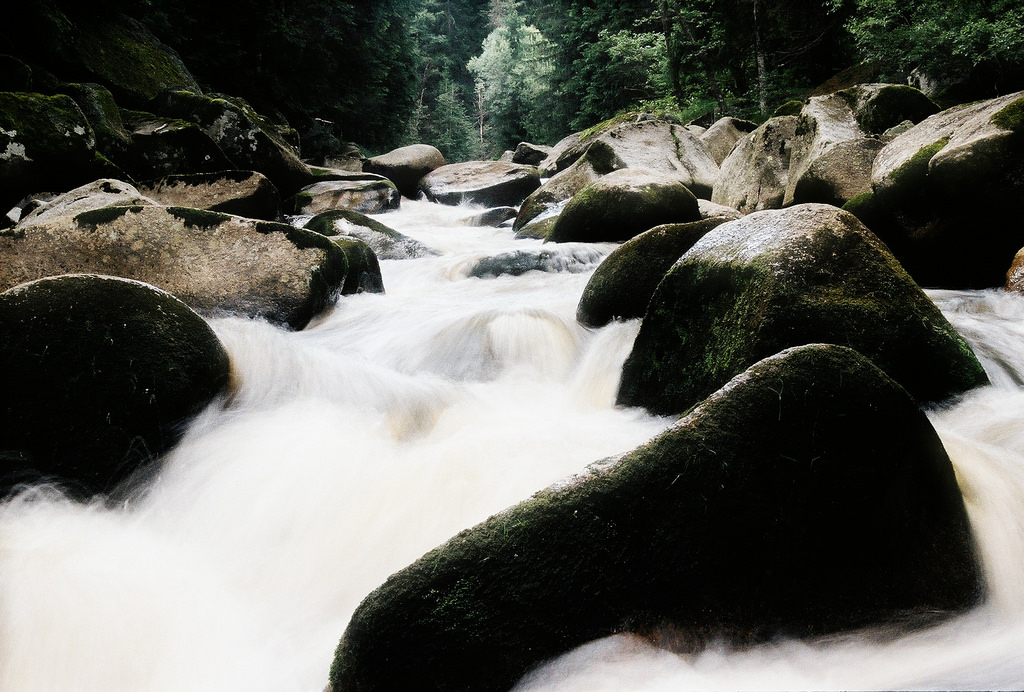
x=99 y=375
x=808 y=496
x=516 y=262
x=215 y=263
x=780 y=278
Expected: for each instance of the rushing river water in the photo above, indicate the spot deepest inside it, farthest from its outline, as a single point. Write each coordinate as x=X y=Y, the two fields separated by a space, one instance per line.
x=349 y=449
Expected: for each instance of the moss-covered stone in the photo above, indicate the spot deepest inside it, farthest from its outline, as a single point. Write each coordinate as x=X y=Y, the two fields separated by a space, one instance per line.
x=623 y=285
x=99 y=108
x=99 y=374
x=623 y=204
x=755 y=174
x=878 y=107
x=808 y=496
x=776 y=279
x=1011 y=116
x=46 y=145
x=788 y=108
x=363 y=268
x=366 y=193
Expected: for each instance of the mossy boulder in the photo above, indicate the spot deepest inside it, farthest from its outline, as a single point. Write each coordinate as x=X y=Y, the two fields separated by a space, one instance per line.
x=879 y=107
x=488 y=183
x=623 y=284
x=97 y=104
x=386 y=242
x=250 y=141
x=809 y=496
x=215 y=263
x=167 y=146
x=623 y=204
x=755 y=174
x=721 y=137
x=242 y=193
x=363 y=268
x=100 y=374
x=46 y=144
x=551 y=197
x=406 y=166
x=539 y=229
x=98 y=194
x=362 y=192
x=931 y=182
x=780 y=278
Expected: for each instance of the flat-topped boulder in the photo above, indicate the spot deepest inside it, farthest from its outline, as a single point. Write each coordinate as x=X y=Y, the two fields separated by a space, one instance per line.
x=363 y=192
x=242 y=193
x=215 y=263
x=781 y=278
x=488 y=183
x=100 y=374
x=808 y=496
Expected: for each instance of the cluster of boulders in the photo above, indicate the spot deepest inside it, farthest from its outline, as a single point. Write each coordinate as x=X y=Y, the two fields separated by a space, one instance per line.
x=777 y=270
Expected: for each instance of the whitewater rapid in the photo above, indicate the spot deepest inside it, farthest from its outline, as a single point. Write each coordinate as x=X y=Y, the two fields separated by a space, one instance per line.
x=344 y=452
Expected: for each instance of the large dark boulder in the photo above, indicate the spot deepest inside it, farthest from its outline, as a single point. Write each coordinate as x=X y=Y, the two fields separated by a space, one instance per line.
x=99 y=374
x=250 y=141
x=406 y=166
x=809 y=496
x=162 y=146
x=943 y=192
x=489 y=183
x=215 y=263
x=46 y=144
x=622 y=204
x=623 y=284
x=781 y=278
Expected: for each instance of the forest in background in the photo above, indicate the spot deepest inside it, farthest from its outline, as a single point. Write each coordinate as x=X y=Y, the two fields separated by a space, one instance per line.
x=476 y=77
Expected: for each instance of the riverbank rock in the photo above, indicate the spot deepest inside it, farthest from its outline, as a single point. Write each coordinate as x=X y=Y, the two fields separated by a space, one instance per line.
x=488 y=183
x=99 y=375
x=242 y=193
x=386 y=242
x=406 y=166
x=46 y=145
x=623 y=284
x=942 y=191
x=362 y=192
x=249 y=140
x=623 y=204
x=808 y=496
x=781 y=278
x=215 y=263
x=755 y=174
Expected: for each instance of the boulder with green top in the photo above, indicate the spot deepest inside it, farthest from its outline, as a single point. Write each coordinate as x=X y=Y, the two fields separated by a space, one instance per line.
x=808 y=496
x=780 y=278
x=551 y=197
x=623 y=284
x=489 y=183
x=386 y=242
x=942 y=193
x=46 y=145
x=100 y=374
x=623 y=204
x=98 y=194
x=215 y=263
x=363 y=268
x=251 y=141
x=97 y=104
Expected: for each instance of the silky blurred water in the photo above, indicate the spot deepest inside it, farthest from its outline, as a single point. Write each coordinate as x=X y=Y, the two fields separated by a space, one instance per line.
x=346 y=451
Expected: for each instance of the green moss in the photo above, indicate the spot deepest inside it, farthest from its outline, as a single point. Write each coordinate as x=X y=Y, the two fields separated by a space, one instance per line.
x=198 y=218
x=789 y=108
x=915 y=169
x=1010 y=117
x=95 y=217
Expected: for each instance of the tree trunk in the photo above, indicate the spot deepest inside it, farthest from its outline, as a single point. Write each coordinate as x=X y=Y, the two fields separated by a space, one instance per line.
x=762 y=73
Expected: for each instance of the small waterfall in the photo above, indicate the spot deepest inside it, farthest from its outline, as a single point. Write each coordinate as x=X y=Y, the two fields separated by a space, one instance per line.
x=345 y=451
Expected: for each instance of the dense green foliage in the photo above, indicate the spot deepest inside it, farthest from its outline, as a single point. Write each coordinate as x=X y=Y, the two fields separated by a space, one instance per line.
x=476 y=77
